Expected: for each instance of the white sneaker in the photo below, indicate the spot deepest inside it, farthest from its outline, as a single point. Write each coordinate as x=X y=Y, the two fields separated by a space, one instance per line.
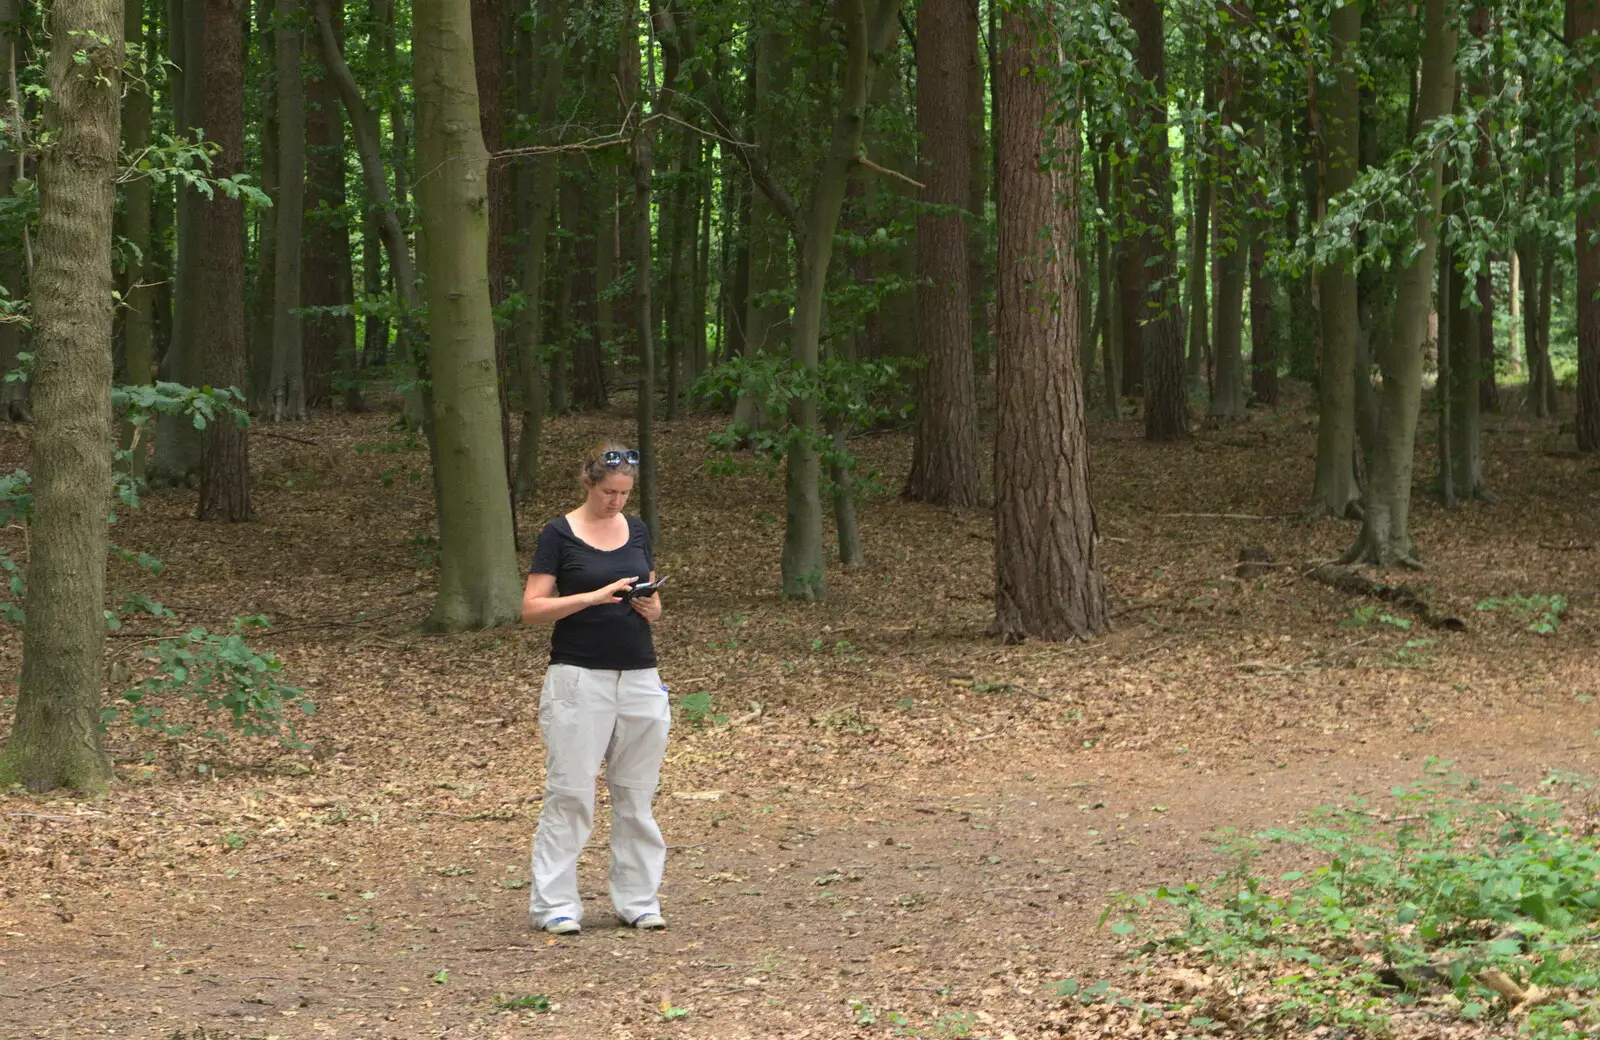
x=561 y=926
x=649 y=922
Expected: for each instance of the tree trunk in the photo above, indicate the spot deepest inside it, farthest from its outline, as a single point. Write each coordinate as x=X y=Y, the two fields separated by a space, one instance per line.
x=579 y=216
x=1465 y=383
x=1385 y=528
x=1585 y=20
x=1131 y=278
x=224 y=446
x=979 y=276
x=1108 y=327
x=13 y=263
x=176 y=459
x=1048 y=582
x=288 y=348
x=265 y=288
x=538 y=101
x=1263 y=346
x=944 y=461
x=866 y=36
x=1335 y=493
x=1200 y=257
x=138 y=315
x=479 y=583
x=1447 y=299
x=1166 y=411
x=1232 y=253
x=326 y=279
x=56 y=738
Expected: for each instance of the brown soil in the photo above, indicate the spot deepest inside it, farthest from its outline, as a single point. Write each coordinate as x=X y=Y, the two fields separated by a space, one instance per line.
x=917 y=822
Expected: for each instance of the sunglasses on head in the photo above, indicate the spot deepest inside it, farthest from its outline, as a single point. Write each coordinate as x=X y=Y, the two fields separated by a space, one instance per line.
x=617 y=458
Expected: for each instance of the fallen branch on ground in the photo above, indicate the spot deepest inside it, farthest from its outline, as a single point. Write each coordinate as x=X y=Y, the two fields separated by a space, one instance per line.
x=1402 y=596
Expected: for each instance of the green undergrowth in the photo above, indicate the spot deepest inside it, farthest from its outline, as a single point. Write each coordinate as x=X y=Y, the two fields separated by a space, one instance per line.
x=1453 y=903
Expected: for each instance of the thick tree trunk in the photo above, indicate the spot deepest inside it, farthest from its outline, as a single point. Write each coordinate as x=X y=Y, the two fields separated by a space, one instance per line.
x=138 y=314
x=224 y=446
x=288 y=396
x=540 y=77
x=176 y=459
x=56 y=739
x=1048 y=582
x=478 y=574
x=1166 y=399
x=1385 y=528
x=944 y=461
x=1335 y=493
x=326 y=278
x=1584 y=16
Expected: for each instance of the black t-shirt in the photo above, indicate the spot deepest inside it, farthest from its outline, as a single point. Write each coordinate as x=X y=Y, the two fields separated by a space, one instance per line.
x=611 y=636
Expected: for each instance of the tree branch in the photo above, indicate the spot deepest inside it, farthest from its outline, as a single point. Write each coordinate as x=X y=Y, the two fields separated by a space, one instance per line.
x=869 y=164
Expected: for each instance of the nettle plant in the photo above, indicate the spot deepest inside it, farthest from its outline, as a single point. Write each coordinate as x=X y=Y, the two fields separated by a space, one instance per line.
x=218 y=672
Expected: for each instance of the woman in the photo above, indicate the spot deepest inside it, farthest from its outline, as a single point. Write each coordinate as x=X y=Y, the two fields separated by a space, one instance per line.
x=603 y=698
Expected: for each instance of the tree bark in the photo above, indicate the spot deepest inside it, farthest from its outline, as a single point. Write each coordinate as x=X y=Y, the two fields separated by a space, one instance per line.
x=944 y=461
x=1200 y=254
x=1335 y=492
x=326 y=277
x=538 y=101
x=56 y=738
x=138 y=314
x=1585 y=19
x=1263 y=345
x=1157 y=310
x=224 y=446
x=1048 y=582
x=265 y=288
x=478 y=574
x=866 y=36
x=1108 y=326
x=1385 y=528
x=1464 y=381
x=288 y=394
x=176 y=459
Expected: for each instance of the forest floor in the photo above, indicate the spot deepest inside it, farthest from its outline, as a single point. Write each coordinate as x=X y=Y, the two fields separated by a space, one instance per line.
x=904 y=827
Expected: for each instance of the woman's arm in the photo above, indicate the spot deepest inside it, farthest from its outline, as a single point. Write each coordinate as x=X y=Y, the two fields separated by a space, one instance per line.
x=541 y=606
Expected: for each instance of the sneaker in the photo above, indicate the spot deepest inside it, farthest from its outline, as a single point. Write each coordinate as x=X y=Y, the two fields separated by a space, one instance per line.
x=649 y=922
x=561 y=926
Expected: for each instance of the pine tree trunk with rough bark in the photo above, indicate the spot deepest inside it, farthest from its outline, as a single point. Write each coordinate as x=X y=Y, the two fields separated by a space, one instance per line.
x=224 y=445
x=1335 y=492
x=479 y=584
x=944 y=462
x=1048 y=581
x=55 y=741
x=1386 y=505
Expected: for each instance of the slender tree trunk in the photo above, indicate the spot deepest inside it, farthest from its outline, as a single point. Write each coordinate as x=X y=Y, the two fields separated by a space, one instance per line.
x=1166 y=411
x=1448 y=301
x=1108 y=325
x=288 y=347
x=944 y=461
x=541 y=75
x=56 y=738
x=1547 y=285
x=138 y=315
x=13 y=262
x=1585 y=21
x=1335 y=493
x=224 y=446
x=1263 y=345
x=265 y=288
x=176 y=459
x=479 y=583
x=1465 y=383
x=698 y=346
x=588 y=369
x=326 y=279
x=1131 y=278
x=1048 y=582
x=980 y=280
x=1385 y=529
x=1200 y=257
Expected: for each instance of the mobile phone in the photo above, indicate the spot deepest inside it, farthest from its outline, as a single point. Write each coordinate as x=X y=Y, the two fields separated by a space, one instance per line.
x=643 y=590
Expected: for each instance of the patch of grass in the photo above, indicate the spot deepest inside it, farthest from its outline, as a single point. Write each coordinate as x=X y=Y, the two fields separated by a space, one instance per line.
x=535 y=1002
x=1453 y=905
x=1541 y=612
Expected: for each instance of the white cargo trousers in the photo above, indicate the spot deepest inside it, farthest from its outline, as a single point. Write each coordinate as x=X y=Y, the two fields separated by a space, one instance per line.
x=588 y=716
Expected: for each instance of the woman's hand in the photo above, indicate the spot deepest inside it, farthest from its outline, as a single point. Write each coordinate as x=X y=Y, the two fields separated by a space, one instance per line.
x=647 y=607
x=609 y=593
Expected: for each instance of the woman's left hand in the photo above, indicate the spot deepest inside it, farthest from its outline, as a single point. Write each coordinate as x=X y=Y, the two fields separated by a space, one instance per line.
x=648 y=607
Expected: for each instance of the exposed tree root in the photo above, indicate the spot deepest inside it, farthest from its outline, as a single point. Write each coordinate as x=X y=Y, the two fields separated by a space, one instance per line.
x=1402 y=596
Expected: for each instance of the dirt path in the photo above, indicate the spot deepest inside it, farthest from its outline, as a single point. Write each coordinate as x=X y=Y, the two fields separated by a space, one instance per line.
x=804 y=908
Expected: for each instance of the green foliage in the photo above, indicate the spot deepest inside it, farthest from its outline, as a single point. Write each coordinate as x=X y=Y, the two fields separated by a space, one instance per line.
x=696 y=708
x=1400 y=909
x=221 y=673
x=1542 y=612
x=528 y=1002
x=1366 y=614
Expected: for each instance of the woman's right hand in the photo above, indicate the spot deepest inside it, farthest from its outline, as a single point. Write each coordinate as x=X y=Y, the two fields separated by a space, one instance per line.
x=609 y=593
